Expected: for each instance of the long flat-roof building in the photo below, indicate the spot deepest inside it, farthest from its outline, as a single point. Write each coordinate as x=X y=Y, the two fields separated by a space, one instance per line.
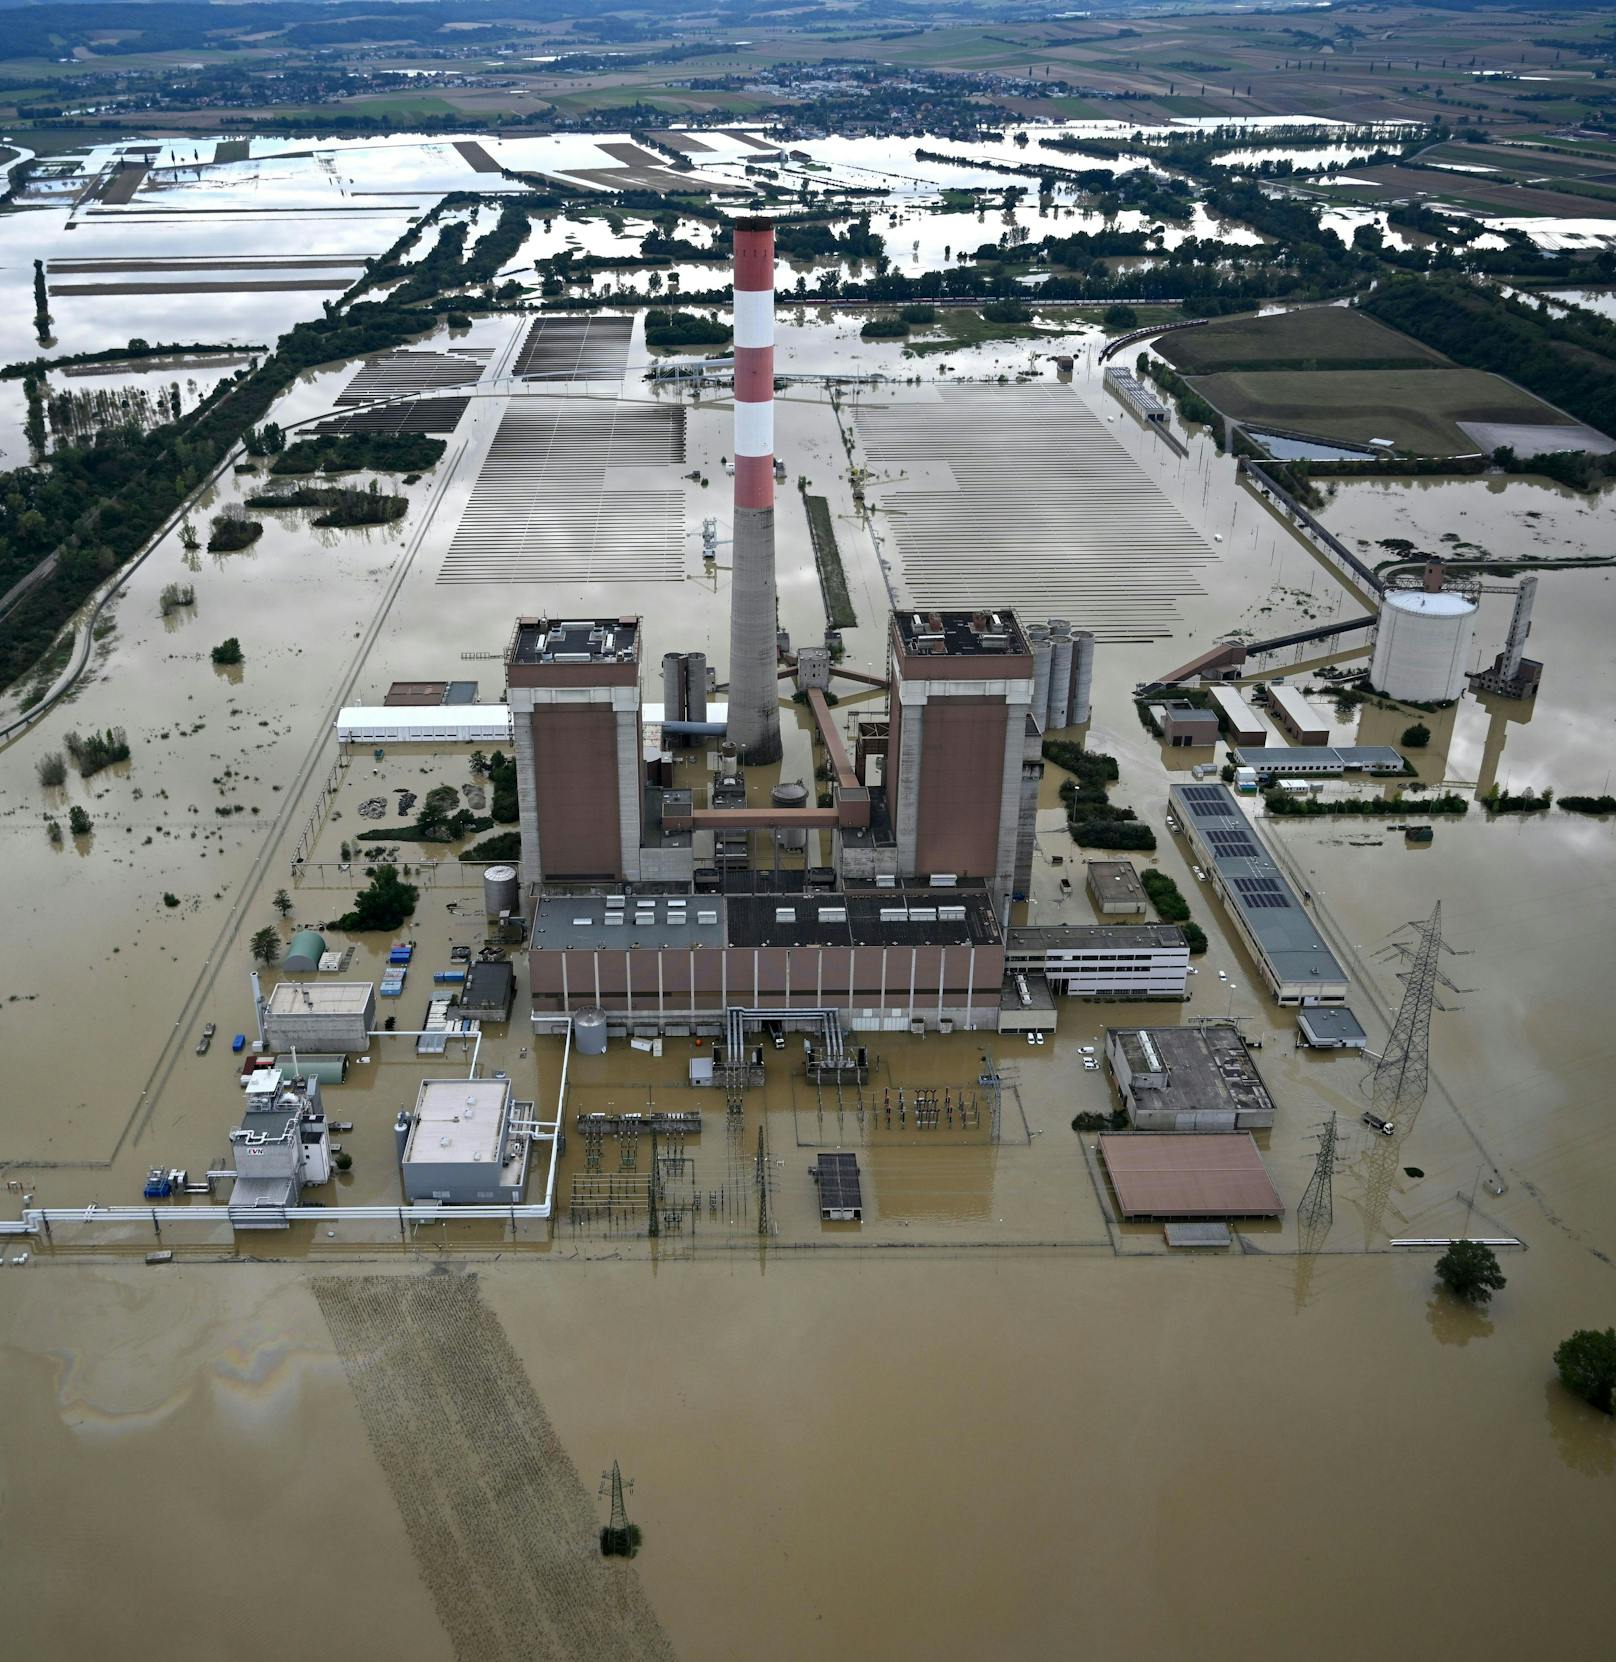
x=424 y=724
x=1267 y=912
x=1241 y=723
x=883 y=958
x=1189 y=1177
x=1198 y=1078
x=1320 y=758
x=1296 y=718
x=1102 y=960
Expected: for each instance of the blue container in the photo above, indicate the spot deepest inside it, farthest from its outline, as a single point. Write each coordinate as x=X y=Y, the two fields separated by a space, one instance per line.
x=456 y=976
x=239 y=1043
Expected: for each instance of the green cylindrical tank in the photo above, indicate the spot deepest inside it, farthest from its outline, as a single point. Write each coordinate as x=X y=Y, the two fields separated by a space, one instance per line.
x=329 y=1067
x=304 y=954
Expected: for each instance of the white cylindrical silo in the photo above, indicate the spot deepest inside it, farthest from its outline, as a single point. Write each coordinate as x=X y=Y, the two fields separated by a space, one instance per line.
x=500 y=889
x=1423 y=645
x=589 y=1032
x=1060 y=673
x=790 y=794
x=1038 y=640
x=1082 y=677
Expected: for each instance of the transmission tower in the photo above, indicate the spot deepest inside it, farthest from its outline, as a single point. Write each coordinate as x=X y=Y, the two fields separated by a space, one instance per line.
x=762 y=1185
x=1317 y=1208
x=1404 y=1068
x=617 y=1539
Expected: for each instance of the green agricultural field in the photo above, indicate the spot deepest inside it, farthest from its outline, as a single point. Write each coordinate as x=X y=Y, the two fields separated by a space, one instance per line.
x=1320 y=337
x=1417 y=409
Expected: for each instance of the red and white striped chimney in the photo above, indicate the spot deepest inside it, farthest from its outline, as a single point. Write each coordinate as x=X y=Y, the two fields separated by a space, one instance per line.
x=754 y=701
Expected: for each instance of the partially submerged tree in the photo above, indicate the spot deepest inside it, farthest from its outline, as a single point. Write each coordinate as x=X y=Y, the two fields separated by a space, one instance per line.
x=265 y=946
x=1470 y=1272
x=1587 y=1365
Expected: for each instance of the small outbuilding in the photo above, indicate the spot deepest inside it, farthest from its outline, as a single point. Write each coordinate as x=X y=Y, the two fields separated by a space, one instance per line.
x=1115 y=888
x=489 y=992
x=1187 y=725
x=1334 y=1028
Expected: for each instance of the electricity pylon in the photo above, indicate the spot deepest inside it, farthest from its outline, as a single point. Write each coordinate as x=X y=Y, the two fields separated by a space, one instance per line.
x=1317 y=1208
x=1404 y=1068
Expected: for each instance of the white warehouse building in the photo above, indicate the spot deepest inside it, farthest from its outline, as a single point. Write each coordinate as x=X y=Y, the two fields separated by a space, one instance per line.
x=1423 y=645
x=424 y=724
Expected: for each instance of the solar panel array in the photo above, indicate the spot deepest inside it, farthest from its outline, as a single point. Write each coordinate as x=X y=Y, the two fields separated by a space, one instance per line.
x=542 y=511
x=1029 y=484
x=1208 y=801
x=576 y=348
x=839 y=1187
x=1262 y=891
x=405 y=371
x=418 y=415
x=1225 y=840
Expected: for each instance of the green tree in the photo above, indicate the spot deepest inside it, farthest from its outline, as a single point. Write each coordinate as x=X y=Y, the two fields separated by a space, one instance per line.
x=52 y=768
x=478 y=764
x=1470 y=1272
x=282 y=903
x=1416 y=737
x=1120 y=317
x=42 y=316
x=78 y=821
x=384 y=905
x=227 y=652
x=265 y=946
x=1587 y=1364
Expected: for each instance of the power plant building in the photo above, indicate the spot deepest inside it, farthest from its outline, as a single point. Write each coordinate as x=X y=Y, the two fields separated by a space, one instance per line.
x=1423 y=645
x=585 y=811
x=1188 y=1079
x=1267 y=912
x=885 y=959
x=1102 y=960
x=459 y=1147
x=1241 y=723
x=320 y=1015
x=959 y=747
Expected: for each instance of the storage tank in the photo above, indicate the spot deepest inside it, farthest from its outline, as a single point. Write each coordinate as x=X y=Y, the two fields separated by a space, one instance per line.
x=501 y=890
x=695 y=686
x=1082 y=677
x=1423 y=645
x=1060 y=673
x=1038 y=640
x=673 y=695
x=401 y=1133
x=325 y=1067
x=589 y=1032
x=790 y=793
x=304 y=954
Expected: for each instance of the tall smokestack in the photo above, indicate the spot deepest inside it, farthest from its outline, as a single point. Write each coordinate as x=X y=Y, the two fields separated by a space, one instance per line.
x=754 y=694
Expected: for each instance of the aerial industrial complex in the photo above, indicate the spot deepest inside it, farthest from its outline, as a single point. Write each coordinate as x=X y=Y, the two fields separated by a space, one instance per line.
x=668 y=882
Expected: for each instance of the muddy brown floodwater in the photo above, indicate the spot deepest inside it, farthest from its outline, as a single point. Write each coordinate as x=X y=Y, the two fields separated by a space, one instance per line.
x=990 y=1421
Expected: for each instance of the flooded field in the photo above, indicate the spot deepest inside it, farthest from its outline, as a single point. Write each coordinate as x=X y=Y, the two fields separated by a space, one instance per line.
x=1067 y=1417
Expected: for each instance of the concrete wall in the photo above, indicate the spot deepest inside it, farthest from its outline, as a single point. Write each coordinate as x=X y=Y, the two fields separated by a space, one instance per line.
x=312 y=1030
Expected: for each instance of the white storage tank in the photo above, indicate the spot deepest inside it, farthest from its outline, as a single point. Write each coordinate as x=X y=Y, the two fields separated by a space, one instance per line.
x=1038 y=640
x=1423 y=645
x=589 y=1032
x=790 y=794
x=1082 y=676
x=500 y=890
x=1060 y=673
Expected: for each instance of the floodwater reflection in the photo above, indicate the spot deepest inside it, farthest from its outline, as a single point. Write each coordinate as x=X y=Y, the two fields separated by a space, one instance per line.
x=1454 y=1322
x=1584 y=1438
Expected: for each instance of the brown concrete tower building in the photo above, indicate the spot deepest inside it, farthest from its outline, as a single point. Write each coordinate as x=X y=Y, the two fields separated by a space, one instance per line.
x=573 y=688
x=961 y=751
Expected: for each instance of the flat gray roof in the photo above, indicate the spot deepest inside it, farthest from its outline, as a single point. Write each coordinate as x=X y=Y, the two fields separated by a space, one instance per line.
x=592 y=922
x=1335 y=1023
x=878 y=917
x=1269 y=906
x=1094 y=937
x=1206 y=1066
